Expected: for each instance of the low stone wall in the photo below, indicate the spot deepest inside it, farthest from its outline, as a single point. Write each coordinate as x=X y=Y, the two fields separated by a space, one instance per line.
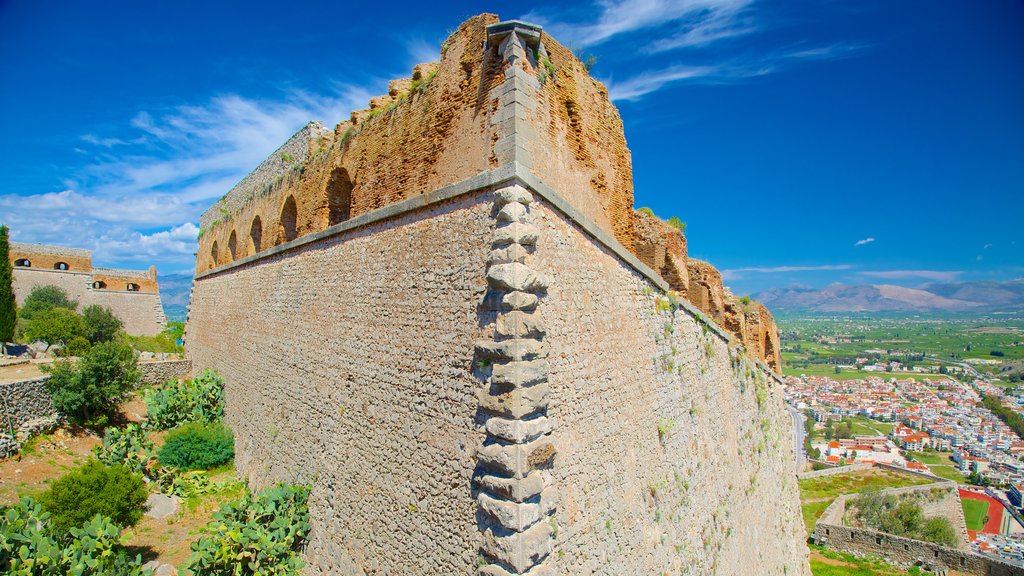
x=904 y=552
x=23 y=401
x=833 y=471
x=158 y=372
x=26 y=408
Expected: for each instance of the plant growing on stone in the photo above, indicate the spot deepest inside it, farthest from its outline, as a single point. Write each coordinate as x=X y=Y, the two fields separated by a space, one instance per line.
x=261 y=534
x=8 y=310
x=88 y=391
x=200 y=399
x=198 y=446
x=30 y=546
x=95 y=489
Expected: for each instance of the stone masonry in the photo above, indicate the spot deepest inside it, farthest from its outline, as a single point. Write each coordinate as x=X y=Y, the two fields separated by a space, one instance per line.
x=132 y=295
x=459 y=341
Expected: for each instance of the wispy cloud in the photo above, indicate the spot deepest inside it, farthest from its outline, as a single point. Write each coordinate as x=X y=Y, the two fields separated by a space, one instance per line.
x=738 y=273
x=867 y=240
x=938 y=275
x=690 y=22
x=142 y=203
x=694 y=31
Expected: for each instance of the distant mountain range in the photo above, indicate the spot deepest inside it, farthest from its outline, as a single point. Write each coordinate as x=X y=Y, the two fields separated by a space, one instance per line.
x=174 y=292
x=939 y=297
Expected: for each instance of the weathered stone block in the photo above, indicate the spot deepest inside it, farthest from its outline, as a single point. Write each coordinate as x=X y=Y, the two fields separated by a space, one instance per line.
x=514 y=212
x=516 y=489
x=518 y=516
x=510 y=253
x=515 y=233
x=496 y=570
x=517 y=460
x=519 y=324
x=515 y=276
x=518 y=431
x=517 y=349
x=515 y=402
x=518 y=550
x=513 y=194
x=521 y=373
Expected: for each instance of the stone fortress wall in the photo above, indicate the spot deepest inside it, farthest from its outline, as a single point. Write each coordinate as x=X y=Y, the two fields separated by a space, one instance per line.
x=481 y=371
x=832 y=532
x=133 y=295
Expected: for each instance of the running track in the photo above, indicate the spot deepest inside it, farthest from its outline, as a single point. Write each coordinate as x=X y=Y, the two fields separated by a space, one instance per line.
x=995 y=512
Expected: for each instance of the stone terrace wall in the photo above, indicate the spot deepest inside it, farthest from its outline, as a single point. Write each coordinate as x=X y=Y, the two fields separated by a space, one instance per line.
x=671 y=446
x=23 y=401
x=154 y=373
x=906 y=552
x=349 y=361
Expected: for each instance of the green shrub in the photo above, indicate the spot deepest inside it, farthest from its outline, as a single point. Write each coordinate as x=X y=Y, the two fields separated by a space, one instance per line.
x=257 y=534
x=101 y=323
x=29 y=546
x=78 y=346
x=112 y=491
x=200 y=399
x=54 y=325
x=198 y=446
x=89 y=390
x=128 y=447
x=45 y=298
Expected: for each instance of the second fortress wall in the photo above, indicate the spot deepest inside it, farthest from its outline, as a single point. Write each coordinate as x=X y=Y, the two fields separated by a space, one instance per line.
x=349 y=362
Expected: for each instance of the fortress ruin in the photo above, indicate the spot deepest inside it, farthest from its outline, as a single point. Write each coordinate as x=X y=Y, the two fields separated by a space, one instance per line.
x=132 y=295
x=446 y=315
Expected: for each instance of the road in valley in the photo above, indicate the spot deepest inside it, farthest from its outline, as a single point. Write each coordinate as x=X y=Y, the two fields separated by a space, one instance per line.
x=798 y=436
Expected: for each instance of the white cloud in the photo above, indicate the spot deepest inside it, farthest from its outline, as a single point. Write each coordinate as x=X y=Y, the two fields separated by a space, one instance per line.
x=693 y=22
x=939 y=275
x=697 y=29
x=867 y=240
x=738 y=273
x=141 y=205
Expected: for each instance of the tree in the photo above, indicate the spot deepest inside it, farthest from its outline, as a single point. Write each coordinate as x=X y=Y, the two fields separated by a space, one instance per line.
x=939 y=530
x=101 y=323
x=8 y=311
x=54 y=325
x=43 y=298
x=88 y=391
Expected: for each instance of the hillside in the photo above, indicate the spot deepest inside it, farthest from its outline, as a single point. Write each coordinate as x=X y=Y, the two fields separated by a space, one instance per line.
x=939 y=297
x=174 y=291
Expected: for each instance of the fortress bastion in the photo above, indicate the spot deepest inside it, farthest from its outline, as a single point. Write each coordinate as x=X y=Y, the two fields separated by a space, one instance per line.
x=446 y=315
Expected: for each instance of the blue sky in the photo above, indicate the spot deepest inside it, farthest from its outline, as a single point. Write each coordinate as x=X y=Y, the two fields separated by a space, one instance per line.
x=803 y=142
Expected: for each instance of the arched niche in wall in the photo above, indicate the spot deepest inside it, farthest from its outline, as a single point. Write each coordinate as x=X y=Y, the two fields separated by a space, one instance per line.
x=232 y=245
x=256 y=235
x=339 y=196
x=99 y=285
x=61 y=266
x=22 y=263
x=287 y=229
x=213 y=255
x=132 y=287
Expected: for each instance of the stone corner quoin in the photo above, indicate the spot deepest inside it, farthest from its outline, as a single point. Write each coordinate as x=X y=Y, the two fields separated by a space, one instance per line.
x=447 y=315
